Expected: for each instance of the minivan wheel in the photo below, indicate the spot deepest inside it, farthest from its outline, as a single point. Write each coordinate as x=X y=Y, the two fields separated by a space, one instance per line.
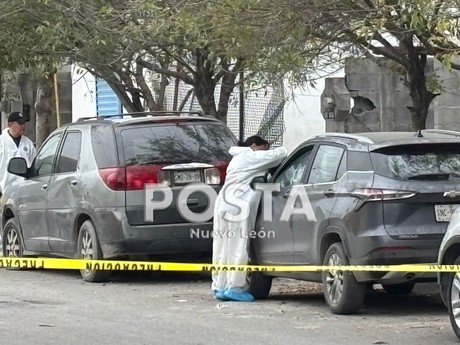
x=88 y=248
x=453 y=300
x=12 y=240
x=399 y=289
x=343 y=294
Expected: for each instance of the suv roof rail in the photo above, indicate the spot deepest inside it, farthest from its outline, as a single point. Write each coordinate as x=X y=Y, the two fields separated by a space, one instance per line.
x=442 y=131
x=344 y=135
x=144 y=113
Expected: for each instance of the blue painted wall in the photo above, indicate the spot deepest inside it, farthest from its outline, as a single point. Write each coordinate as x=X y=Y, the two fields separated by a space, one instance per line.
x=107 y=102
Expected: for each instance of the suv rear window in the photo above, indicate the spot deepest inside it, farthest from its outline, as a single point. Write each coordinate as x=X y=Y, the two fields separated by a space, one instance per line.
x=418 y=162
x=177 y=143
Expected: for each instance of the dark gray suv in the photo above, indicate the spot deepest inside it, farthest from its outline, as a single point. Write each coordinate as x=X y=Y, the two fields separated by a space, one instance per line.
x=377 y=198
x=84 y=194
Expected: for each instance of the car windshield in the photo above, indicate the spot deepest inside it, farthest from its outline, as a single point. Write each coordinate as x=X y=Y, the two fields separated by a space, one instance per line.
x=177 y=143
x=417 y=162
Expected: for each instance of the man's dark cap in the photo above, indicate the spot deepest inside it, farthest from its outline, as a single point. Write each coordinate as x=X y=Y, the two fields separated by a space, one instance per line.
x=17 y=116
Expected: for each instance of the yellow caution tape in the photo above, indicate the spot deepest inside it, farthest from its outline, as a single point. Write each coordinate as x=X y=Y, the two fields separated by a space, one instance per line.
x=116 y=265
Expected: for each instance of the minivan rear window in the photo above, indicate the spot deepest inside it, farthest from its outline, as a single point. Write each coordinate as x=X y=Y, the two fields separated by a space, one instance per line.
x=177 y=143
x=418 y=162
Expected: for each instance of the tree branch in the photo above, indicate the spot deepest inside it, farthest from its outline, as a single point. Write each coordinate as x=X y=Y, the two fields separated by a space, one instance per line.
x=389 y=53
x=158 y=69
x=187 y=96
x=139 y=75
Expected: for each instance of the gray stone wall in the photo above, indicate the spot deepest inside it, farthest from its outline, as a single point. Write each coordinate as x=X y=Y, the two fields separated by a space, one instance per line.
x=379 y=98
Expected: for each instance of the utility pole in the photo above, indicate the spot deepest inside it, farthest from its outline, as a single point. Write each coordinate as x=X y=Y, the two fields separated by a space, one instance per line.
x=241 y=121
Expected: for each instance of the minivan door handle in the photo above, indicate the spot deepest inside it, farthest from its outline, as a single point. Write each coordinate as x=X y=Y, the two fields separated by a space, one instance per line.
x=329 y=193
x=73 y=182
x=44 y=186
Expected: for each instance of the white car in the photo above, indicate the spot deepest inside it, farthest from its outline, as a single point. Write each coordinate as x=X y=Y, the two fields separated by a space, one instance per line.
x=449 y=253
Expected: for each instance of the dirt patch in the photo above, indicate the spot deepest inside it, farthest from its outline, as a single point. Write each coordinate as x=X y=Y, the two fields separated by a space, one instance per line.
x=291 y=286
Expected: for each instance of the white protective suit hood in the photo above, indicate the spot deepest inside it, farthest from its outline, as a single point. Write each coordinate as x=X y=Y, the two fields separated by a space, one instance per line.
x=230 y=236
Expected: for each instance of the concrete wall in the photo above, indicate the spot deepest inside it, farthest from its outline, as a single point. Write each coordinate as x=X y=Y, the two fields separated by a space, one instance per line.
x=379 y=98
x=447 y=104
x=302 y=115
x=83 y=94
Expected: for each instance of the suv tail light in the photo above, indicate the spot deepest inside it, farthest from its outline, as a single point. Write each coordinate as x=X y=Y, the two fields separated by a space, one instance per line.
x=376 y=194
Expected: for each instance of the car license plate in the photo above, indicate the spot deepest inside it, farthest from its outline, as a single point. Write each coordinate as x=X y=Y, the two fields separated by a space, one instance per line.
x=187 y=176
x=444 y=212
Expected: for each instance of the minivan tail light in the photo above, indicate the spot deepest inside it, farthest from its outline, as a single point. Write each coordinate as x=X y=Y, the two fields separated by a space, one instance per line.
x=212 y=176
x=113 y=178
x=130 y=177
x=376 y=194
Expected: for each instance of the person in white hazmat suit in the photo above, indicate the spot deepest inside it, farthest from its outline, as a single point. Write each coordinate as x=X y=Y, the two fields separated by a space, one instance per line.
x=235 y=215
x=13 y=143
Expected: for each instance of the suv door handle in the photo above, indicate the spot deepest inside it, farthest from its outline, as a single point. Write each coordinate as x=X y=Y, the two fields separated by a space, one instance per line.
x=44 y=186
x=73 y=182
x=329 y=193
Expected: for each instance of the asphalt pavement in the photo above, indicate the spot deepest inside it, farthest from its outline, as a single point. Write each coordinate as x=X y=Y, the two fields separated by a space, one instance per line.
x=57 y=307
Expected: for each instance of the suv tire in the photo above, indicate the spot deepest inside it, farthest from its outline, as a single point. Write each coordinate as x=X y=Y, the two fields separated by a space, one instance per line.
x=456 y=294
x=343 y=294
x=88 y=248
x=259 y=284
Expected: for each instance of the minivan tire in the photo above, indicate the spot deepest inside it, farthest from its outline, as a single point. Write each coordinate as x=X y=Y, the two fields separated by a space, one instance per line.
x=88 y=241
x=342 y=293
x=11 y=233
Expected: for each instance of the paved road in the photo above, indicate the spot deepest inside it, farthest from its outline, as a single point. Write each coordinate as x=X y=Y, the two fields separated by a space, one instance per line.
x=57 y=307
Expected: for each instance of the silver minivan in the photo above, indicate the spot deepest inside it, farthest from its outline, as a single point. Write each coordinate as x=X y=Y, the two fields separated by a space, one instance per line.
x=84 y=195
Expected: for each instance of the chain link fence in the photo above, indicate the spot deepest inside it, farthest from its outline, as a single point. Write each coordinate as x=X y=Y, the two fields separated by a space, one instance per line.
x=263 y=110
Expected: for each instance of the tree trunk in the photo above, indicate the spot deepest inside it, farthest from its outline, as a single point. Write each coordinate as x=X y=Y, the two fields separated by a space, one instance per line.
x=416 y=81
x=43 y=110
x=228 y=85
x=421 y=98
x=204 y=92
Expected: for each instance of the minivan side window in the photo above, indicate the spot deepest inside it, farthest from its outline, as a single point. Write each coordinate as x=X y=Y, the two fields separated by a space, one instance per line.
x=70 y=153
x=104 y=146
x=43 y=163
x=292 y=175
x=326 y=164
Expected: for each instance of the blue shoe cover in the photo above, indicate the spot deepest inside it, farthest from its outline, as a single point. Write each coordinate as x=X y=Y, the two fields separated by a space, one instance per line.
x=220 y=295
x=240 y=296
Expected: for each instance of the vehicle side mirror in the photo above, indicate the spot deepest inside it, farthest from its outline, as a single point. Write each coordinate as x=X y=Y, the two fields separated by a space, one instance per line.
x=257 y=180
x=18 y=166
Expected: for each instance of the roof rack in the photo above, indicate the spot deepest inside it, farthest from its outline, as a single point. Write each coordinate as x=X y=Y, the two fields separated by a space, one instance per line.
x=141 y=114
x=345 y=135
x=442 y=131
